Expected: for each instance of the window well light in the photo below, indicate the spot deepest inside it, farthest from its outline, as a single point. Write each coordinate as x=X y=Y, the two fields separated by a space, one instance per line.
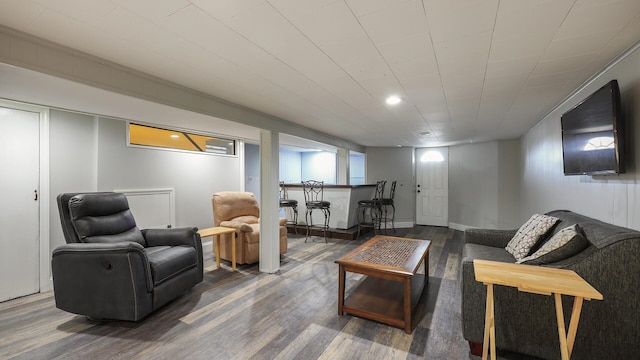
x=432 y=156
x=393 y=100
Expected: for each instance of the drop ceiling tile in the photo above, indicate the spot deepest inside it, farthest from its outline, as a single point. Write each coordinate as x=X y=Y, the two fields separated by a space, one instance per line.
x=365 y=7
x=564 y=47
x=153 y=9
x=461 y=20
x=526 y=46
x=403 y=20
x=540 y=19
x=227 y=9
x=596 y=17
x=506 y=68
x=553 y=78
x=19 y=14
x=311 y=18
x=562 y=65
x=84 y=10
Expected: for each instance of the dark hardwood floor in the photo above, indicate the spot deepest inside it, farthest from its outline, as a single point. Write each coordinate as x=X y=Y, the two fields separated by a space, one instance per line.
x=251 y=315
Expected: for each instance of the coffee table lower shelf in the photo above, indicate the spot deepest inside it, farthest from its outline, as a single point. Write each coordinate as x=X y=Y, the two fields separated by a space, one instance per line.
x=382 y=300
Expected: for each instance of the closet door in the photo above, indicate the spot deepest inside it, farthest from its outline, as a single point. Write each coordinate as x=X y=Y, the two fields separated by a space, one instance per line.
x=19 y=203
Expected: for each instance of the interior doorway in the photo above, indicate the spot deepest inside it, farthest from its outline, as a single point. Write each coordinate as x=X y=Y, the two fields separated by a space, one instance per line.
x=20 y=243
x=432 y=186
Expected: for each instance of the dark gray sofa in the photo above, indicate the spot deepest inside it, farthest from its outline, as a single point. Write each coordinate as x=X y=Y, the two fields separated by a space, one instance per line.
x=526 y=323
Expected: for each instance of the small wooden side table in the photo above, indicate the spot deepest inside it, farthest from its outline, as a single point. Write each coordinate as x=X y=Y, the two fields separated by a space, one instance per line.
x=537 y=280
x=216 y=232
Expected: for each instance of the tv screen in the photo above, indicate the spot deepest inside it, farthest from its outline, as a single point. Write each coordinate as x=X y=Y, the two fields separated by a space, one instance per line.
x=593 y=134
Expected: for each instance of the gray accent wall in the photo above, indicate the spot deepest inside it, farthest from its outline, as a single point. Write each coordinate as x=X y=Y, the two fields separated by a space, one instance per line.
x=484 y=185
x=395 y=163
x=612 y=198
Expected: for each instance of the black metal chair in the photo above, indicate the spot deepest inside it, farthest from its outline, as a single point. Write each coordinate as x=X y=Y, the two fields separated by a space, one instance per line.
x=314 y=200
x=287 y=203
x=374 y=207
x=388 y=203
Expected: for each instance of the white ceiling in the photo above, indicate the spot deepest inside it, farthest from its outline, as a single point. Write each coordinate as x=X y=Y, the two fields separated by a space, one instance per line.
x=467 y=70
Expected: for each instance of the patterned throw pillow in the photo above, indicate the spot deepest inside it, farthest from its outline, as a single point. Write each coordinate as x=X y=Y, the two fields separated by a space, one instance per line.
x=565 y=243
x=529 y=234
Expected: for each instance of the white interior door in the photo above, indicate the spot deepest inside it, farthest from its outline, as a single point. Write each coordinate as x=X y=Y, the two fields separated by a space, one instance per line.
x=432 y=181
x=19 y=209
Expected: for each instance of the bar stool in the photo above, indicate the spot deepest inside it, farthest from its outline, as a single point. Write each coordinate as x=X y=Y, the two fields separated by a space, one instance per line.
x=287 y=203
x=314 y=200
x=374 y=207
x=388 y=202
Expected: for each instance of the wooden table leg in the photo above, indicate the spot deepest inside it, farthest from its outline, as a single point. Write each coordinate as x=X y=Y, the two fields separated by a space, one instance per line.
x=573 y=324
x=216 y=241
x=561 y=329
x=340 y=289
x=426 y=269
x=233 y=251
x=407 y=305
x=489 y=327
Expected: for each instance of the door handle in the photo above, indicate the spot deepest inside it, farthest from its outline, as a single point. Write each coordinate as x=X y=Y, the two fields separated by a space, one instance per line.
x=35 y=195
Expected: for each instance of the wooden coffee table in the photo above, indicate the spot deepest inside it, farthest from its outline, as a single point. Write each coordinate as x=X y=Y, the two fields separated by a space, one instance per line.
x=392 y=287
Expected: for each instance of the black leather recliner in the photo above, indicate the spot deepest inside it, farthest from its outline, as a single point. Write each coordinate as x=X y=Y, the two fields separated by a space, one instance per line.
x=110 y=269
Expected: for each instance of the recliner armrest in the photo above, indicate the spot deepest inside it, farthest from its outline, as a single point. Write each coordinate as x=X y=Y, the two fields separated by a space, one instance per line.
x=71 y=260
x=171 y=237
x=240 y=226
x=175 y=237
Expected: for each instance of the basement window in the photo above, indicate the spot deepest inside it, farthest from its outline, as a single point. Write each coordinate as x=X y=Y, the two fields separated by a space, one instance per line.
x=144 y=135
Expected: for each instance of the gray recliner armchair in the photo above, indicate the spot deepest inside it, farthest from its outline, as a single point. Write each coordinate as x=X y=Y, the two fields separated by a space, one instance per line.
x=110 y=269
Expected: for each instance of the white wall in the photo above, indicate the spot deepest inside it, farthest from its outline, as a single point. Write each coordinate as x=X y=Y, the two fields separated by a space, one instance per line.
x=252 y=169
x=614 y=199
x=195 y=177
x=290 y=166
x=356 y=168
x=320 y=166
x=483 y=185
x=72 y=160
x=395 y=163
x=90 y=154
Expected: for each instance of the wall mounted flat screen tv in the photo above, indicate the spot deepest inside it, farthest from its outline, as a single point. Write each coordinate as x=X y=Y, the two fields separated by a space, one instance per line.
x=593 y=134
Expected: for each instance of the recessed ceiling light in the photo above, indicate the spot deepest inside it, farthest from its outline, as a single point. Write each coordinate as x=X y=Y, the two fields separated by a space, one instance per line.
x=393 y=100
x=175 y=136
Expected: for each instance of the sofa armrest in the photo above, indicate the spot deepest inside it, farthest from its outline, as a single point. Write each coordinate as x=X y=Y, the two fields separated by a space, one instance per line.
x=488 y=237
x=239 y=226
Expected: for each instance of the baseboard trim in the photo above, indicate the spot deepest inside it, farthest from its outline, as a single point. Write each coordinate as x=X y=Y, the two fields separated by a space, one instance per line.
x=460 y=227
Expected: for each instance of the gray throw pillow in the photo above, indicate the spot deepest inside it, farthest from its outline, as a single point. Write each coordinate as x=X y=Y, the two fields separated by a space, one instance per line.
x=565 y=243
x=529 y=234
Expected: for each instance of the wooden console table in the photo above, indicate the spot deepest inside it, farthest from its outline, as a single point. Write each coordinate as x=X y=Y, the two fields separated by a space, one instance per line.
x=392 y=288
x=216 y=232
x=537 y=280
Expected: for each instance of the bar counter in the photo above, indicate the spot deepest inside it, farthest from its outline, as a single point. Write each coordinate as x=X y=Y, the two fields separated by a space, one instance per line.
x=344 y=203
